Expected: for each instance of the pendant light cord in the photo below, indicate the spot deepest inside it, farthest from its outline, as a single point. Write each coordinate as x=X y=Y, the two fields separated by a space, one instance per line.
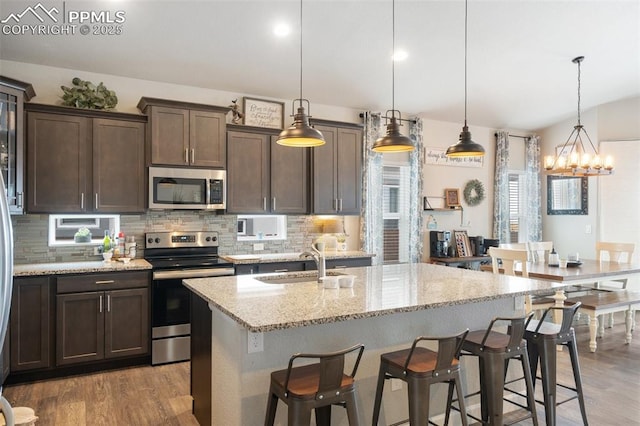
x=579 y=93
x=301 y=53
x=465 y=63
x=393 y=58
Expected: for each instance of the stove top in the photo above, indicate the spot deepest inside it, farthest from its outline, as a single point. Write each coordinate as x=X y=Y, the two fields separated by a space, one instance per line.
x=180 y=250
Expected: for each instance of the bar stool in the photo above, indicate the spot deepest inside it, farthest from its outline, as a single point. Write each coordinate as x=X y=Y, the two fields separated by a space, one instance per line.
x=315 y=386
x=420 y=367
x=494 y=350
x=543 y=336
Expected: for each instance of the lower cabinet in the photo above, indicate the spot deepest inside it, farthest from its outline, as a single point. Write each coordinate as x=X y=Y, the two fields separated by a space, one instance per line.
x=352 y=262
x=106 y=321
x=31 y=320
x=294 y=266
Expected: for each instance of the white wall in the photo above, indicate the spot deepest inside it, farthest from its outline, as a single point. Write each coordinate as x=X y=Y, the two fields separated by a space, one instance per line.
x=612 y=121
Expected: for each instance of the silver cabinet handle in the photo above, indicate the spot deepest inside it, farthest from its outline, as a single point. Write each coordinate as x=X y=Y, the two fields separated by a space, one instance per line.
x=100 y=303
x=193 y=155
x=340 y=208
x=274 y=204
x=281 y=270
x=97 y=205
x=264 y=203
x=186 y=155
x=339 y=267
x=82 y=201
x=335 y=204
x=19 y=199
x=105 y=282
x=108 y=303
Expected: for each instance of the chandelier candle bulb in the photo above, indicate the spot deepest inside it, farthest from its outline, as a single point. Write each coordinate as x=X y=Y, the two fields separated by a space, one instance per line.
x=608 y=163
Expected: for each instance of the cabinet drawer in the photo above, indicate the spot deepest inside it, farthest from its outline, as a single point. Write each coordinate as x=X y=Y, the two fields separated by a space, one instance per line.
x=102 y=281
x=348 y=263
x=281 y=267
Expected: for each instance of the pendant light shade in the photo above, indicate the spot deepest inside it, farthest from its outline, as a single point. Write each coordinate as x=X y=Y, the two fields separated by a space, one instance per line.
x=300 y=134
x=393 y=141
x=465 y=146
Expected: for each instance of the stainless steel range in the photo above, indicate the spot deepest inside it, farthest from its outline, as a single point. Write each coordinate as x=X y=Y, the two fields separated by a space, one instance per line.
x=176 y=256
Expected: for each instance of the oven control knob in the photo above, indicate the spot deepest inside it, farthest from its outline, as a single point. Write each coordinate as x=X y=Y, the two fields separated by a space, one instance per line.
x=157 y=240
x=150 y=240
x=214 y=238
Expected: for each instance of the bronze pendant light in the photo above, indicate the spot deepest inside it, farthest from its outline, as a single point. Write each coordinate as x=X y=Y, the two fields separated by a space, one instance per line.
x=393 y=141
x=465 y=146
x=300 y=134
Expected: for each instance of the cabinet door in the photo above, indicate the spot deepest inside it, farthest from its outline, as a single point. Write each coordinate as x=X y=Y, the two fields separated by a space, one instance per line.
x=118 y=166
x=248 y=172
x=30 y=330
x=349 y=170
x=208 y=147
x=12 y=147
x=348 y=263
x=289 y=179
x=57 y=161
x=282 y=267
x=80 y=327
x=126 y=322
x=169 y=136
x=324 y=175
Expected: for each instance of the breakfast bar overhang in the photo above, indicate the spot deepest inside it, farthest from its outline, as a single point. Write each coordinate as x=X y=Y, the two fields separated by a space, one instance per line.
x=386 y=309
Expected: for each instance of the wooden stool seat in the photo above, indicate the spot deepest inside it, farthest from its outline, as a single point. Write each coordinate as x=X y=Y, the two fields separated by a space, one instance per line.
x=304 y=382
x=423 y=362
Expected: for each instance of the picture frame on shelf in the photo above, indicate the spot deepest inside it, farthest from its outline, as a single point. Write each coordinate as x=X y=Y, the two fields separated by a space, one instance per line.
x=263 y=113
x=452 y=197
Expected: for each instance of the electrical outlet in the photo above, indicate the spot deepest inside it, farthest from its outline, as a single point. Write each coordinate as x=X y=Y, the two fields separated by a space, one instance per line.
x=587 y=229
x=255 y=342
x=258 y=247
x=396 y=384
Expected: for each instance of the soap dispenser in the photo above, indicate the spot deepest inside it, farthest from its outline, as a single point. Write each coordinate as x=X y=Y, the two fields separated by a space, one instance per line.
x=554 y=259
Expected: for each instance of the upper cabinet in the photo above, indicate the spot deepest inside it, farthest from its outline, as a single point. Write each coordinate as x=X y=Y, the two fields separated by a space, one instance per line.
x=82 y=161
x=13 y=94
x=337 y=169
x=264 y=177
x=185 y=134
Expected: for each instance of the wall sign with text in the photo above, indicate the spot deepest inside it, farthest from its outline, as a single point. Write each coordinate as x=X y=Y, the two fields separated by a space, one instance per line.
x=438 y=157
x=263 y=113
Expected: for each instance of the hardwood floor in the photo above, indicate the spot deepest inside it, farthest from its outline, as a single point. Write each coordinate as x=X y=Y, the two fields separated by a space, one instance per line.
x=160 y=395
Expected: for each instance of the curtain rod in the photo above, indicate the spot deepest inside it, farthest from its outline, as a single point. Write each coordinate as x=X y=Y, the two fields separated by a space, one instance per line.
x=515 y=136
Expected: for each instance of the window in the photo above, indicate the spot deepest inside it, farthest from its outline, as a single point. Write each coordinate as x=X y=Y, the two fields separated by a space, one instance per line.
x=261 y=227
x=75 y=229
x=517 y=208
x=396 y=225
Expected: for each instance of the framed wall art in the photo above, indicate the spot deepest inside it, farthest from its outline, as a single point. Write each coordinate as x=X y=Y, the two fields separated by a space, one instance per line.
x=452 y=197
x=263 y=113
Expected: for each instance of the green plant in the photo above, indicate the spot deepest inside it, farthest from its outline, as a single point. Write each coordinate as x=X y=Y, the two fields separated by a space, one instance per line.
x=85 y=94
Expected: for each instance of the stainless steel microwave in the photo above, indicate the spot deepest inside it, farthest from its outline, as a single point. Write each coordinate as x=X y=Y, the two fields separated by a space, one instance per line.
x=187 y=189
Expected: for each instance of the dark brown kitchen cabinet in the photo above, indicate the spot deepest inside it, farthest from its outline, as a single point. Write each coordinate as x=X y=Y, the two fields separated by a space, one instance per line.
x=31 y=322
x=96 y=325
x=84 y=161
x=264 y=177
x=337 y=169
x=185 y=134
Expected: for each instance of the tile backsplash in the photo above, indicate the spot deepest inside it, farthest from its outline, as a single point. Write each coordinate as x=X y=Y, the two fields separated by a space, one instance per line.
x=31 y=234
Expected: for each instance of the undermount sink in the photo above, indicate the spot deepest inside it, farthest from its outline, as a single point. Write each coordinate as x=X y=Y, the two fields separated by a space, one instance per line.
x=294 y=278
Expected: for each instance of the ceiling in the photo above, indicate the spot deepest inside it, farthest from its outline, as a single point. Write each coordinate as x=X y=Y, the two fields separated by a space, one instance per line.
x=519 y=74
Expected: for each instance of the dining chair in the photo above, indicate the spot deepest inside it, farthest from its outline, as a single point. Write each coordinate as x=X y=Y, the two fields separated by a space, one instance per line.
x=509 y=257
x=539 y=250
x=613 y=252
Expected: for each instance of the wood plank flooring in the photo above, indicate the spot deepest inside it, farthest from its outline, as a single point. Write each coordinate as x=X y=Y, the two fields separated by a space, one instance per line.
x=160 y=395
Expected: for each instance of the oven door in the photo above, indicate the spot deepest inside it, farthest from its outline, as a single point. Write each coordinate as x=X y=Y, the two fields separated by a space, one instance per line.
x=170 y=308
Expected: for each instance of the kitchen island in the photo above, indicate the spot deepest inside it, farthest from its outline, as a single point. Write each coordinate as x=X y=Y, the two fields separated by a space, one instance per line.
x=386 y=309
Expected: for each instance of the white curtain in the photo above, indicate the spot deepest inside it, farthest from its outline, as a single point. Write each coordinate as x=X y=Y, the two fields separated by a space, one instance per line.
x=416 y=160
x=501 y=188
x=371 y=224
x=533 y=189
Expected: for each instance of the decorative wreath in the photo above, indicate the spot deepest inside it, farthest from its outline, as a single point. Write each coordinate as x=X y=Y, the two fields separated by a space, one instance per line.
x=473 y=192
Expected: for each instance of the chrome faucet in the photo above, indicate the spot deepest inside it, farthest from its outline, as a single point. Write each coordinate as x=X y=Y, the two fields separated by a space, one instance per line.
x=318 y=257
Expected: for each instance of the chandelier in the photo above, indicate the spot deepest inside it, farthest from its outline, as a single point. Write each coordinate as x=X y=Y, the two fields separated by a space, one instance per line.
x=573 y=158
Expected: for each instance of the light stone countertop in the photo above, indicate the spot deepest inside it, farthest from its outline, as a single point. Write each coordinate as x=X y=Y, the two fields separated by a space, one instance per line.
x=240 y=259
x=378 y=290
x=33 y=269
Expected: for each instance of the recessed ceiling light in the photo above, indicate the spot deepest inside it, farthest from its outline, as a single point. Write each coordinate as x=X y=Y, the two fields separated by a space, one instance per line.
x=282 y=30
x=400 y=55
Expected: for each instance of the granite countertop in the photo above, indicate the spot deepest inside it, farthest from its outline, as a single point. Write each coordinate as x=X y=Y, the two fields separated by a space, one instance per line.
x=378 y=290
x=33 y=269
x=239 y=259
